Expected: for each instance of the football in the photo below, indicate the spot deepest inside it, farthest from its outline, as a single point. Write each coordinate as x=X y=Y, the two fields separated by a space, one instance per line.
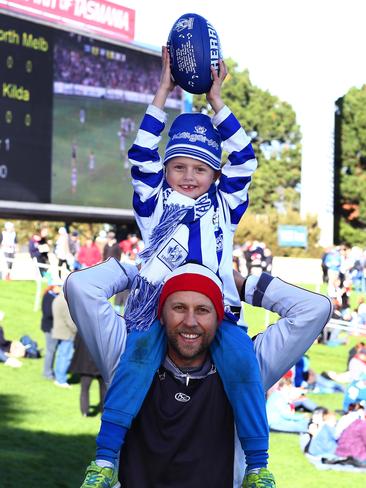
x=194 y=47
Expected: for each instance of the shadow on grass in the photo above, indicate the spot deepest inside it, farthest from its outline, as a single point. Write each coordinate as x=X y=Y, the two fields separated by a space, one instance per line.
x=39 y=459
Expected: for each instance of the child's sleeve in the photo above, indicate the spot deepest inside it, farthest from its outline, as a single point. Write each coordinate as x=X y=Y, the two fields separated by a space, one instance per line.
x=147 y=167
x=237 y=172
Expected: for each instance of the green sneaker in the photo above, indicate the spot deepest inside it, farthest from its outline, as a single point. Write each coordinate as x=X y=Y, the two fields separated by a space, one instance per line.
x=98 y=477
x=263 y=479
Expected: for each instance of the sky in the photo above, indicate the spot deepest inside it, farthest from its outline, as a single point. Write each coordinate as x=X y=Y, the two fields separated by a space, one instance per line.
x=296 y=49
x=306 y=52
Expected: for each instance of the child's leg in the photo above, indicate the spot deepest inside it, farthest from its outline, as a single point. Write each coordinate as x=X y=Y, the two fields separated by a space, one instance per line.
x=233 y=354
x=144 y=353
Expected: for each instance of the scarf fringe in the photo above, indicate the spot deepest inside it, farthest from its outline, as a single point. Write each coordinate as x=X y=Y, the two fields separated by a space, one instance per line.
x=142 y=304
x=169 y=221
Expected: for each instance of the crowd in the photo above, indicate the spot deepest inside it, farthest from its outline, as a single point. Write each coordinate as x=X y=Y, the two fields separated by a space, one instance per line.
x=81 y=63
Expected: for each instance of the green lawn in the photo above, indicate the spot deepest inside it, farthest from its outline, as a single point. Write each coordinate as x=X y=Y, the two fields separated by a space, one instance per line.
x=45 y=442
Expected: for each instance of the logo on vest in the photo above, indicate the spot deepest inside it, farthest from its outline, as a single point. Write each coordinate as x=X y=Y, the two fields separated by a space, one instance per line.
x=182 y=397
x=173 y=254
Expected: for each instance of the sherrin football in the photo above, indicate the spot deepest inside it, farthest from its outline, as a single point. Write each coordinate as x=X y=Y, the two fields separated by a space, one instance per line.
x=194 y=47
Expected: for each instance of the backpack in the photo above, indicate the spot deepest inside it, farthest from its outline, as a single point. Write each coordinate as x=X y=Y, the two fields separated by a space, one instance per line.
x=31 y=347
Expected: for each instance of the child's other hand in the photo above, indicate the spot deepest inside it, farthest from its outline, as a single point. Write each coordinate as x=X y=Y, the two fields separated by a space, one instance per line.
x=214 y=95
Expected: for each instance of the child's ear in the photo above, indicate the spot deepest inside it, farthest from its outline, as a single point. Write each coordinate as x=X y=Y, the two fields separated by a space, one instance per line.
x=217 y=174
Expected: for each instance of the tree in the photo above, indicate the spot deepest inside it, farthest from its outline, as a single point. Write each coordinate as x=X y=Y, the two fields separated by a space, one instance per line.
x=352 y=166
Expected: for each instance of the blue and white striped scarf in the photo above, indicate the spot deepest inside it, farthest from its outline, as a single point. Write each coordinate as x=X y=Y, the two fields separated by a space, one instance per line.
x=158 y=259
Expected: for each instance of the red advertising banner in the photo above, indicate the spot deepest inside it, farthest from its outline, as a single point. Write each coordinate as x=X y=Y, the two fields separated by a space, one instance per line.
x=104 y=17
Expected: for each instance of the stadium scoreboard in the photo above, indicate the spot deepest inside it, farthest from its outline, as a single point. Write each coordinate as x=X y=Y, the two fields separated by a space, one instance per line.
x=26 y=111
x=70 y=106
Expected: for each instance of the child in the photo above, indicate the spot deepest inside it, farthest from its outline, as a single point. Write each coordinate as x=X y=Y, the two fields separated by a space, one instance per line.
x=185 y=216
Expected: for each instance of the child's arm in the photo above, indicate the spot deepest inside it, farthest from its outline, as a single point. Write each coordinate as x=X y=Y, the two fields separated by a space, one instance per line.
x=237 y=173
x=147 y=168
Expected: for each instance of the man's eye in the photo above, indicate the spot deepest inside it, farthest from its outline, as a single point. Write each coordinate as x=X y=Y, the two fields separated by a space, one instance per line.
x=203 y=310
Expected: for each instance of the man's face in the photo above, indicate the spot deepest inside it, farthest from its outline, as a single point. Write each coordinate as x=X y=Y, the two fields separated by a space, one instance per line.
x=189 y=176
x=190 y=322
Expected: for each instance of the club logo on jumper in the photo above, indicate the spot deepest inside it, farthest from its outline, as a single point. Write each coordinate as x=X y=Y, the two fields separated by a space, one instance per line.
x=173 y=254
x=182 y=397
x=184 y=24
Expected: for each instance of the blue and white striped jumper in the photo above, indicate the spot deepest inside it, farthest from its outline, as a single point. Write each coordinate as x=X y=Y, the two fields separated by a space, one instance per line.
x=207 y=237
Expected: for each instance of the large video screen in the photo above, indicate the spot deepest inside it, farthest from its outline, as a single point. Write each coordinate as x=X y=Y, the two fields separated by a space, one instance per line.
x=69 y=111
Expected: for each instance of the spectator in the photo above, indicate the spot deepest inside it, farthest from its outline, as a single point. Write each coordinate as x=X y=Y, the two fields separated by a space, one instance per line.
x=49 y=295
x=5 y=346
x=352 y=443
x=62 y=250
x=89 y=253
x=83 y=365
x=281 y=412
x=74 y=247
x=8 y=244
x=35 y=253
x=355 y=393
x=64 y=331
x=111 y=248
x=44 y=249
x=322 y=430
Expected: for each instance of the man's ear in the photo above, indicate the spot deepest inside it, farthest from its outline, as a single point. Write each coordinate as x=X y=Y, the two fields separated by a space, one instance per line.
x=217 y=174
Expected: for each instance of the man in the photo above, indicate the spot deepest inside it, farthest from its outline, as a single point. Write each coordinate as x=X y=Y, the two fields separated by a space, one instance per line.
x=191 y=450
x=64 y=331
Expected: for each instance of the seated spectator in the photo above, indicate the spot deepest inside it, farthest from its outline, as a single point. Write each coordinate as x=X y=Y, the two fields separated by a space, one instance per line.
x=355 y=411
x=10 y=350
x=281 y=411
x=323 y=383
x=322 y=432
x=352 y=441
x=355 y=392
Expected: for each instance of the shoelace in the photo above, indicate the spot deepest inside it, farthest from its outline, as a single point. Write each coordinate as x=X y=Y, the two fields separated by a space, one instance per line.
x=95 y=477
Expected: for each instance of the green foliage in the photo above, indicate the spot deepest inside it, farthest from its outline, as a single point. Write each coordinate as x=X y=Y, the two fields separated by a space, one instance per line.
x=352 y=167
x=263 y=227
x=276 y=140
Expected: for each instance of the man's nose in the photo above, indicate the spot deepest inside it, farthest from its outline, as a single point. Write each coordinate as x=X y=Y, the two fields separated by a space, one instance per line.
x=190 y=318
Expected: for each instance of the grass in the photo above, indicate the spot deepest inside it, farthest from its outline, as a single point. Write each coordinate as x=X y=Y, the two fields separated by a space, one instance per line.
x=45 y=442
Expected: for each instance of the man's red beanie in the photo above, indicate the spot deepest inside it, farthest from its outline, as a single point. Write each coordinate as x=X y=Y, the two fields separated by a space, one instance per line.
x=194 y=277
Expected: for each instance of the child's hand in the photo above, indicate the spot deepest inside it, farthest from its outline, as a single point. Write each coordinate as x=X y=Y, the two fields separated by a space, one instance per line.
x=214 y=95
x=166 y=83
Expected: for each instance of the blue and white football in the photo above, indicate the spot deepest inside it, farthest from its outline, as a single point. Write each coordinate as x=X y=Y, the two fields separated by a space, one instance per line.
x=194 y=47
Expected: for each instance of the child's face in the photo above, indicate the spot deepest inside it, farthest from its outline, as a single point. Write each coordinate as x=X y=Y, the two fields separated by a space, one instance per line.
x=189 y=176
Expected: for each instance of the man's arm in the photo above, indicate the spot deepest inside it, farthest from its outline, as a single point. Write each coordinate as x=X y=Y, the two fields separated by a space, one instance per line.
x=87 y=293
x=303 y=315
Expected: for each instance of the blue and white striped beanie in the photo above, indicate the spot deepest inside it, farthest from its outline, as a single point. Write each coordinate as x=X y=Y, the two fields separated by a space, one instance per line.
x=194 y=136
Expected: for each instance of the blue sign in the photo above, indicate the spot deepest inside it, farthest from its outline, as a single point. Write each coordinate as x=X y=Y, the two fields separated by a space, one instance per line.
x=292 y=236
